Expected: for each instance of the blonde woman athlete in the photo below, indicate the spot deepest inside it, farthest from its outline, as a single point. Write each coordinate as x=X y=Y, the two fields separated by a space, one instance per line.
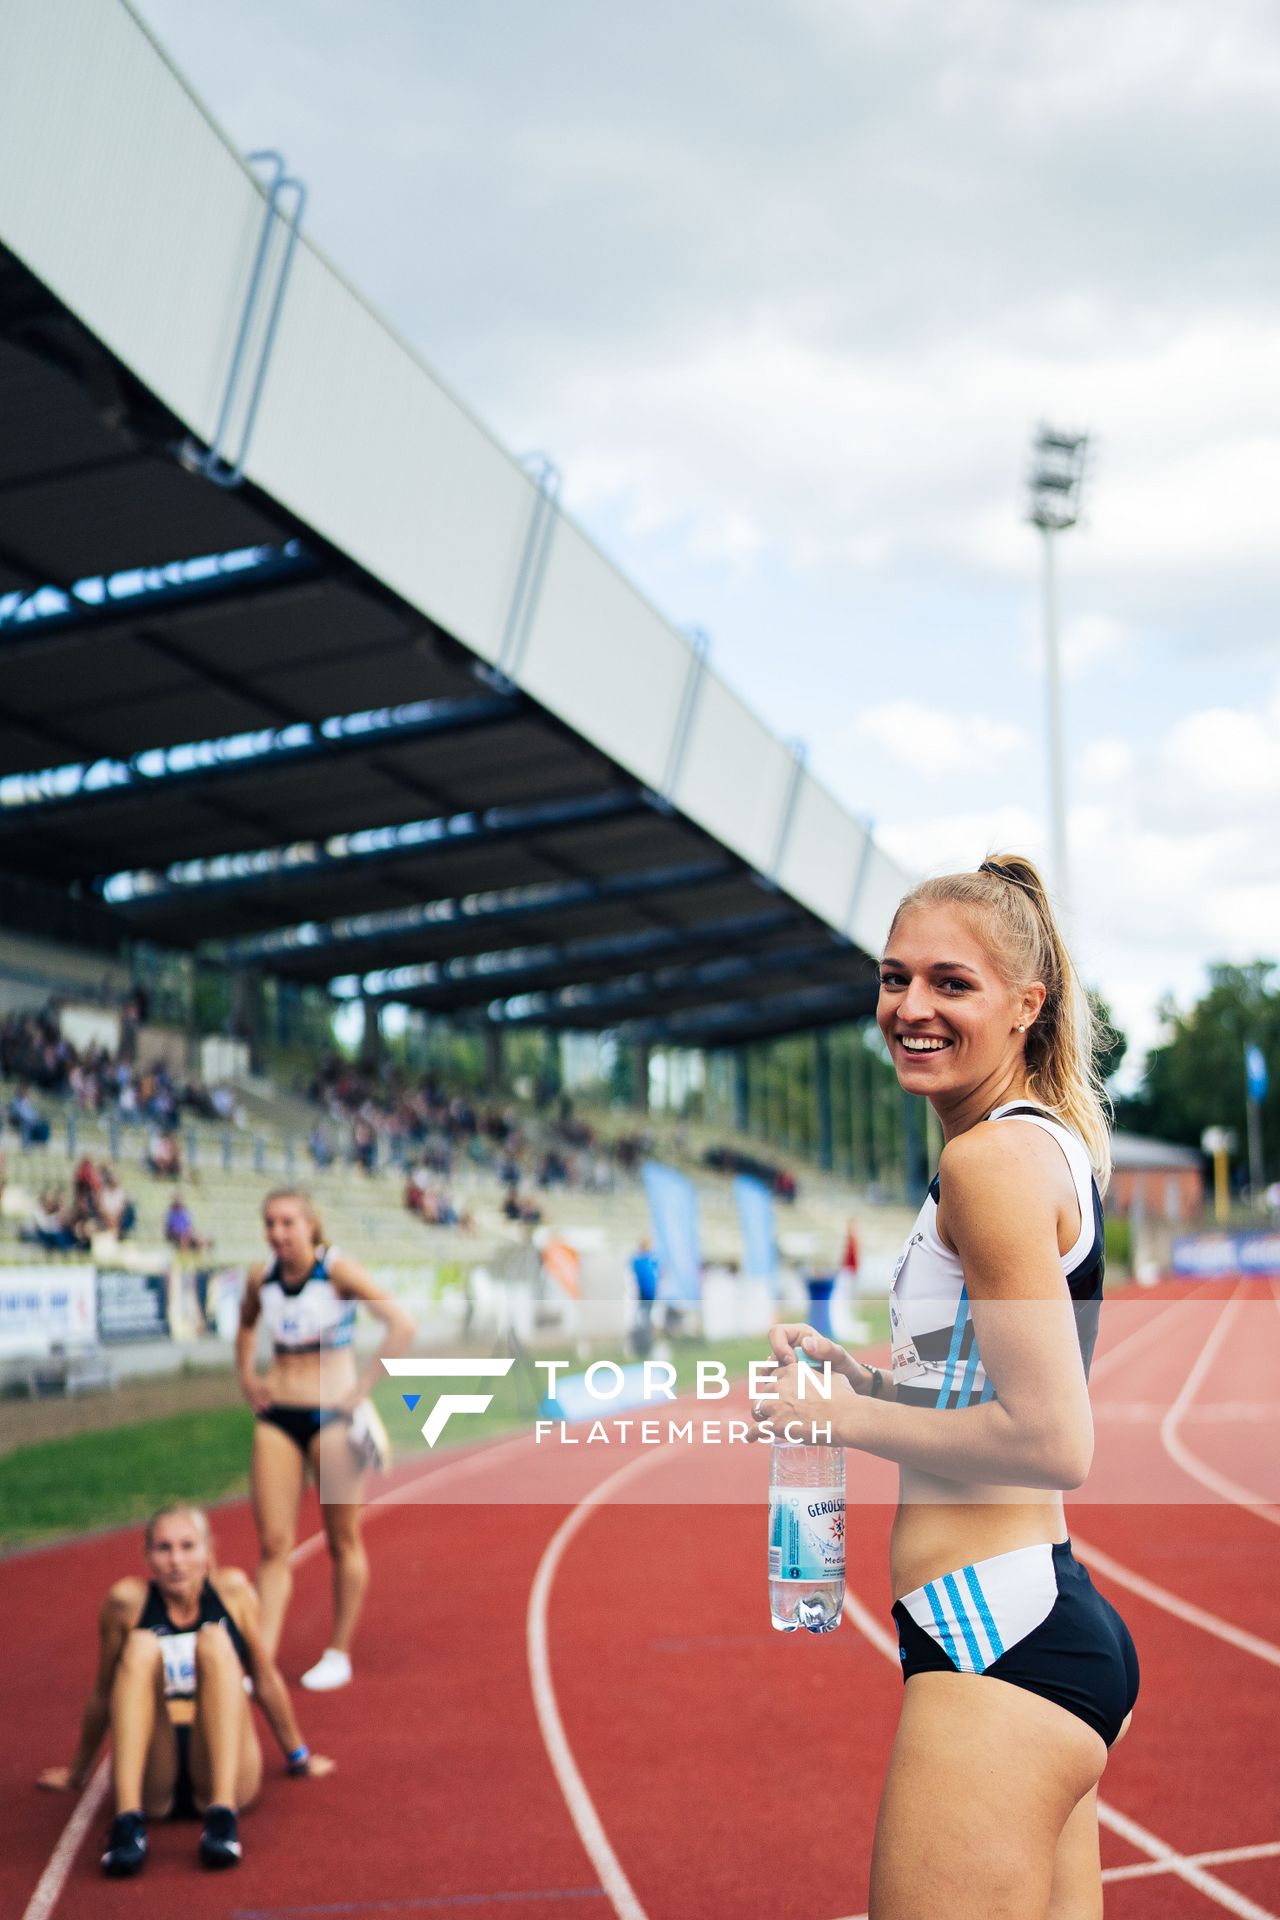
x=1019 y=1675
x=174 y=1655
x=307 y=1294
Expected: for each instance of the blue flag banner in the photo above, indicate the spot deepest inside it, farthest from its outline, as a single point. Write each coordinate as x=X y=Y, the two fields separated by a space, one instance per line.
x=673 y=1207
x=1255 y=1068
x=755 y=1216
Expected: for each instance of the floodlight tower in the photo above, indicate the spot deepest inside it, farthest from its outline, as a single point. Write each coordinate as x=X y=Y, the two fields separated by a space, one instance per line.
x=1057 y=474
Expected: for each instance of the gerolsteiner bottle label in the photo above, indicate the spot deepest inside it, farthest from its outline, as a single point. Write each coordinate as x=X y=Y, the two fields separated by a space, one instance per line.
x=806 y=1533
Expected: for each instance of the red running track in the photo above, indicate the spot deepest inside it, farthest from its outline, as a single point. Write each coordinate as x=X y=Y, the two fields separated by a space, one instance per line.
x=582 y=1711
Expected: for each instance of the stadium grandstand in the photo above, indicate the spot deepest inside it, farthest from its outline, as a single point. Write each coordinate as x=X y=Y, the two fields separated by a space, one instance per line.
x=315 y=694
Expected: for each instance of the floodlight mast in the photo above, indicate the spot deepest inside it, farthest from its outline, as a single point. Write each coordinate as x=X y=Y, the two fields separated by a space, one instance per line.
x=1057 y=475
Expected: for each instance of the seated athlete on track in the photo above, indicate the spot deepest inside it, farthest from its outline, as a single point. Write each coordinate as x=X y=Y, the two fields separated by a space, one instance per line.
x=173 y=1657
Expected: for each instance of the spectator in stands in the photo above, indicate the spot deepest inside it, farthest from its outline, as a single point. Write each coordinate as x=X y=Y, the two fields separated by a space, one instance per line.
x=50 y=1224
x=164 y=1155
x=644 y=1271
x=173 y=1653
x=520 y=1207
x=320 y=1146
x=26 y=1116
x=364 y=1146
x=180 y=1228
x=116 y=1210
x=87 y=1183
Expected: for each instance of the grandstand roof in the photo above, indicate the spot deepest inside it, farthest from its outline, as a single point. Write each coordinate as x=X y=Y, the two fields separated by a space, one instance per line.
x=380 y=710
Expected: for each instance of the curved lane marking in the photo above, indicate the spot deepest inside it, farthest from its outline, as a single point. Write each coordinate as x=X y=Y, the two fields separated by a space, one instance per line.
x=579 y=1802
x=1181 y=1454
x=1157 y=1851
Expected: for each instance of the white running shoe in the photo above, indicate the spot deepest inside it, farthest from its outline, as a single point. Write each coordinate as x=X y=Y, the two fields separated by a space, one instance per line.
x=331 y=1670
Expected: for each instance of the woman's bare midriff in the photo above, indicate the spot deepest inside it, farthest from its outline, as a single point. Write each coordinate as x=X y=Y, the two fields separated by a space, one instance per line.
x=942 y=1524
x=311 y=1379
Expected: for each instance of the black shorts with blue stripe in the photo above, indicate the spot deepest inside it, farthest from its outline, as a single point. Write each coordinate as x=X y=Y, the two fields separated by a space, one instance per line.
x=1032 y=1617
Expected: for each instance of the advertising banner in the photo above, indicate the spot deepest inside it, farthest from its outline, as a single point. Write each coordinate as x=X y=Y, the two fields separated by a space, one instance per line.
x=132 y=1306
x=1208 y=1256
x=755 y=1216
x=673 y=1207
x=46 y=1307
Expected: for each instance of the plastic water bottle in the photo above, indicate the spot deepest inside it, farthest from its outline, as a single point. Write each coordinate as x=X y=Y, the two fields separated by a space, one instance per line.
x=806 y=1537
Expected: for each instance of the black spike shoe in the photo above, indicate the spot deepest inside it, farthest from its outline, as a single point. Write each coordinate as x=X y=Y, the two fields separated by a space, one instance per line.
x=126 y=1852
x=220 y=1841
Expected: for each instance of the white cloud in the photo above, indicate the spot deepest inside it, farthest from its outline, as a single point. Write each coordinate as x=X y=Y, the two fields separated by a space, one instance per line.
x=797 y=327
x=939 y=744
x=1093 y=639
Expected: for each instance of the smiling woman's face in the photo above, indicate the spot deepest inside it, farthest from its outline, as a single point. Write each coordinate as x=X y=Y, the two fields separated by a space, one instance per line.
x=948 y=1016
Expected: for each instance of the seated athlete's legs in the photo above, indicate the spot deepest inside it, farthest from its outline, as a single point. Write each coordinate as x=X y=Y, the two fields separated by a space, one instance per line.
x=983 y=1779
x=338 y=1475
x=144 y=1754
x=226 y=1759
x=277 y=1475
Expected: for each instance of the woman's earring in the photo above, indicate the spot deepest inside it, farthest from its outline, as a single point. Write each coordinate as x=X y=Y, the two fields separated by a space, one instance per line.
x=1022 y=1029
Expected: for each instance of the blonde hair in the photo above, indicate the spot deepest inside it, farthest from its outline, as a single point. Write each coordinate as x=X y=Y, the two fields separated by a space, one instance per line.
x=1008 y=903
x=307 y=1205
x=170 y=1510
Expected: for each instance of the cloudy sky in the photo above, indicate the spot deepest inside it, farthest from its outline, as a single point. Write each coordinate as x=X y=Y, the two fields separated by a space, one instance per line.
x=783 y=286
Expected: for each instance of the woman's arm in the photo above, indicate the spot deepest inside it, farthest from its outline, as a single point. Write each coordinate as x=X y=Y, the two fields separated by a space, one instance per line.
x=251 y=1383
x=116 y=1615
x=353 y=1283
x=1002 y=1194
x=269 y=1689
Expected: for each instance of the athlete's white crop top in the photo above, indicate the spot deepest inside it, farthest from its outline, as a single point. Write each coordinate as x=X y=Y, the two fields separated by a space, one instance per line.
x=936 y=1362
x=312 y=1316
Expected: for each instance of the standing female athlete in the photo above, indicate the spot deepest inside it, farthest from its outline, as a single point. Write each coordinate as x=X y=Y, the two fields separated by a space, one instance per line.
x=990 y=1804
x=305 y=1405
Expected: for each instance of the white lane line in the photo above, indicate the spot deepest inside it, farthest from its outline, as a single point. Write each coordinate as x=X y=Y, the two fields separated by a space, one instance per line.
x=1108 y=1816
x=579 y=1802
x=398 y=1495
x=1220 y=1857
x=1172 y=1603
x=1155 y=1323
x=51 y=1881
x=1182 y=1455
x=1181 y=1865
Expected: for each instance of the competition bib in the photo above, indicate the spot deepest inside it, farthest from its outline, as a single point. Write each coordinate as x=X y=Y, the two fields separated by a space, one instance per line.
x=906 y=1362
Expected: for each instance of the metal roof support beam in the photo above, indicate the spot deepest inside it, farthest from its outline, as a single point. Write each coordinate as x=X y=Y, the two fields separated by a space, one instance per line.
x=700 y=642
x=537 y=1008
x=485 y=973
x=213 y=463
x=800 y=753
x=860 y=871
x=744 y=1019
x=45 y=610
x=478 y=909
x=532 y=568
x=55 y=791
x=240 y=873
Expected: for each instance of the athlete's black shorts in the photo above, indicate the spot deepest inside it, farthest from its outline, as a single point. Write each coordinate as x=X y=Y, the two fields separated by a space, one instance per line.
x=1080 y=1655
x=302 y=1424
x=184 y=1794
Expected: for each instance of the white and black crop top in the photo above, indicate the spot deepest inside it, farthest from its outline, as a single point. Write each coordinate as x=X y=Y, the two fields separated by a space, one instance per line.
x=310 y=1317
x=936 y=1362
